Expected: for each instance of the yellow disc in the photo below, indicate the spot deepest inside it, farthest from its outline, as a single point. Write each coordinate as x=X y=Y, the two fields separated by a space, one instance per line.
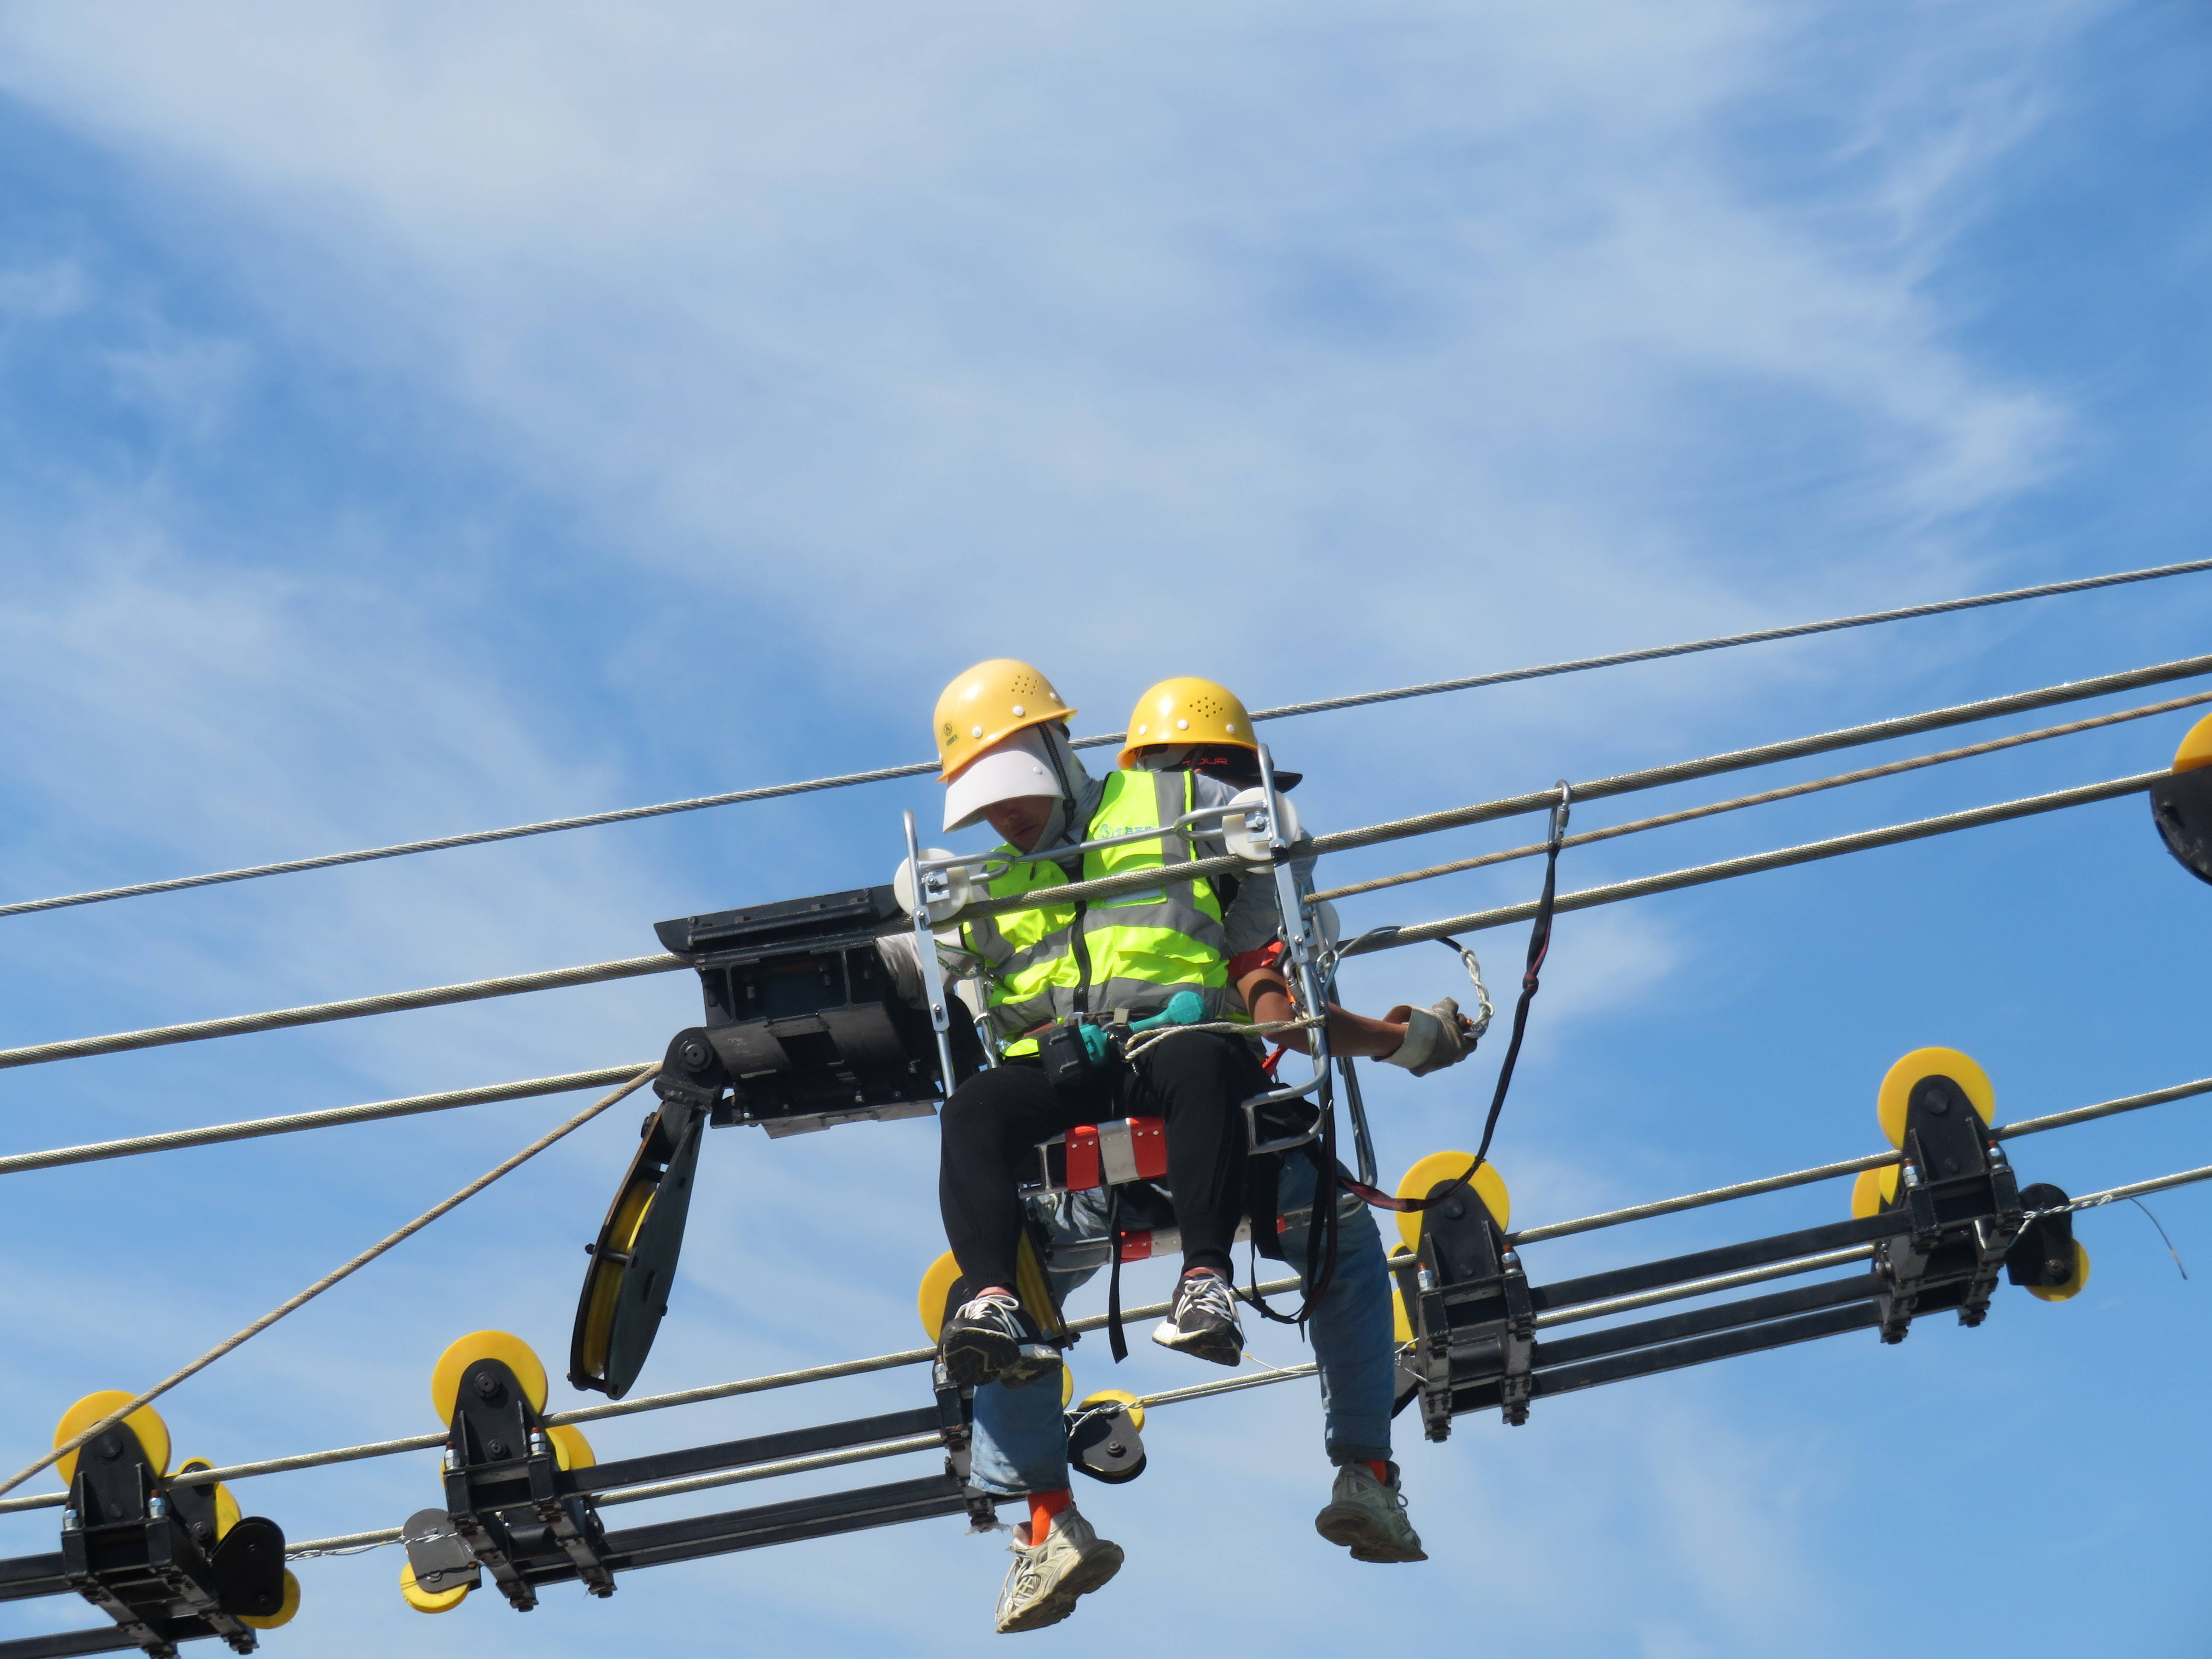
x=2196 y=749
x=2075 y=1280
x=464 y=1351
x=1401 y=1327
x=284 y=1611
x=570 y=1450
x=226 y=1507
x=1922 y=1063
x=607 y=1282
x=146 y=1423
x=1067 y=1385
x=1489 y=1186
x=424 y=1600
x=1873 y=1190
x=936 y=1286
x=1122 y=1398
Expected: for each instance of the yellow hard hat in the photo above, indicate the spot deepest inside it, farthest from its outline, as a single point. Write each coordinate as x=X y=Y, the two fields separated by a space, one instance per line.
x=988 y=703
x=1187 y=710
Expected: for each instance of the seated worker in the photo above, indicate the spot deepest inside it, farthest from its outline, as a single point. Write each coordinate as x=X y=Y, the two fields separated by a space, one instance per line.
x=1007 y=759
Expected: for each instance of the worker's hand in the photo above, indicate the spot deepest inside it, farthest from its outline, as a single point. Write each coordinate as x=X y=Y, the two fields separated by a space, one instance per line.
x=1435 y=1037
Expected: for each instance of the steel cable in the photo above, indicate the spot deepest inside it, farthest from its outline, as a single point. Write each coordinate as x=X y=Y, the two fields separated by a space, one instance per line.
x=1542 y=800
x=334 y=1277
x=1754 y=863
x=1341 y=841
x=389 y=1002
x=919 y=1356
x=916 y=768
x=599 y=1413
x=170 y=1140
x=1790 y=792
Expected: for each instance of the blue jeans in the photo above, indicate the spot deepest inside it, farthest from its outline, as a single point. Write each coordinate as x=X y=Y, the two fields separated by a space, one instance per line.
x=1021 y=1440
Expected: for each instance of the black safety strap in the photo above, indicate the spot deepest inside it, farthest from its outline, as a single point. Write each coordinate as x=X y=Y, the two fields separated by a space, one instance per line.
x=1540 y=946
x=1117 y=1343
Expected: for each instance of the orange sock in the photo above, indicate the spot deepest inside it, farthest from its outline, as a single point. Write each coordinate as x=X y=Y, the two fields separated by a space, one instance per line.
x=1043 y=1505
x=1382 y=1467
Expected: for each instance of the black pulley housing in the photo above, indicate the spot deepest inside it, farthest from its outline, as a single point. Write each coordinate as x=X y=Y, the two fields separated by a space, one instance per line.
x=2181 y=805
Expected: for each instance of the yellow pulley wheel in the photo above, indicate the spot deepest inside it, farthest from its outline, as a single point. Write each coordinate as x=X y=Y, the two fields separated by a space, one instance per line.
x=607 y=1282
x=1067 y=1385
x=1120 y=1397
x=936 y=1286
x=1873 y=1190
x=285 y=1609
x=2196 y=749
x=1489 y=1186
x=510 y=1350
x=424 y=1600
x=1401 y=1327
x=1924 y=1063
x=146 y=1423
x=570 y=1450
x=2075 y=1280
x=226 y=1507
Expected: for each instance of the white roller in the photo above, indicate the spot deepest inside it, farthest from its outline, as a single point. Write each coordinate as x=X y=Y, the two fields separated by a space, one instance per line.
x=956 y=894
x=1250 y=845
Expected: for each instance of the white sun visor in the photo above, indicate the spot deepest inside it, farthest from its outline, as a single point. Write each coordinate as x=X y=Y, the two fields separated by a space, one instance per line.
x=1009 y=769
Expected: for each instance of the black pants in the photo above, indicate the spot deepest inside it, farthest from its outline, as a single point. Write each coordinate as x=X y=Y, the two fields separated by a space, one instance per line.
x=1194 y=1080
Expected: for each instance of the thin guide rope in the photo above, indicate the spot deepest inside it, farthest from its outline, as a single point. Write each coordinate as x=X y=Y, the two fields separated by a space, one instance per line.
x=332 y=1278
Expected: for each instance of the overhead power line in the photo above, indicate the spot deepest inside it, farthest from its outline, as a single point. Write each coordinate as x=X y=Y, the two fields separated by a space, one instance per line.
x=612 y=1408
x=1109 y=886
x=1625 y=783
x=171 y=1141
x=1765 y=797
x=1356 y=700
x=389 y=1002
x=1527 y=1235
x=1754 y=863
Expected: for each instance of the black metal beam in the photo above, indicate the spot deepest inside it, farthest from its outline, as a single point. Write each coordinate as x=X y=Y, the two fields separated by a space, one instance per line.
x=788 y=1522
x=108 y=1638
x=1730 y=1315
x=1699 y=1351
x=1704 y=1264
x=23 y=1576
x=760 y=1448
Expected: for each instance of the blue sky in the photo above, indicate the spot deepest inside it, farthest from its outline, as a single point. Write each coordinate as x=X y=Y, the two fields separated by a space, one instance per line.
x=415 y=419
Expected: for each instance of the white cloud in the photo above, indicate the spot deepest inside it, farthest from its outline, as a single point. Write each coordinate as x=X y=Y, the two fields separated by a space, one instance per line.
x=1338 y=348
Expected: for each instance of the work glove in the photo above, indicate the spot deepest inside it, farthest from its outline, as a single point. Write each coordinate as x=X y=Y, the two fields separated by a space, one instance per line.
x=1435 y=1036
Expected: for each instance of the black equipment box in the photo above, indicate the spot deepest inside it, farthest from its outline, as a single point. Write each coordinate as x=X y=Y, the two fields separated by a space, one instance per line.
x=806 y=1015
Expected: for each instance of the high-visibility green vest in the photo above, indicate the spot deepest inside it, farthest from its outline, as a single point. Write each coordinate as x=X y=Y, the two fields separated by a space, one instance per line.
x=1132 y=950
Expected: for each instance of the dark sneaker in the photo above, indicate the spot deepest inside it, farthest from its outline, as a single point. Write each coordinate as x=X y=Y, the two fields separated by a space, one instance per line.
x=1202 y=1320
x=1368 y=1517
x=991 y=1340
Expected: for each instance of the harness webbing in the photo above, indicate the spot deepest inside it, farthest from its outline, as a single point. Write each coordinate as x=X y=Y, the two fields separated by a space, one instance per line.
x=1323 y=1233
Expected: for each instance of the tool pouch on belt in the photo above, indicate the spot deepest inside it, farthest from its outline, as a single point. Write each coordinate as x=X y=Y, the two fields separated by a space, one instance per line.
x=1080 y=1058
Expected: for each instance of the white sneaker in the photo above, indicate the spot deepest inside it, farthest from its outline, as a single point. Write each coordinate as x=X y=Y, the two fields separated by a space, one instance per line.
x=1368 y=1516
x=1045 y=1579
